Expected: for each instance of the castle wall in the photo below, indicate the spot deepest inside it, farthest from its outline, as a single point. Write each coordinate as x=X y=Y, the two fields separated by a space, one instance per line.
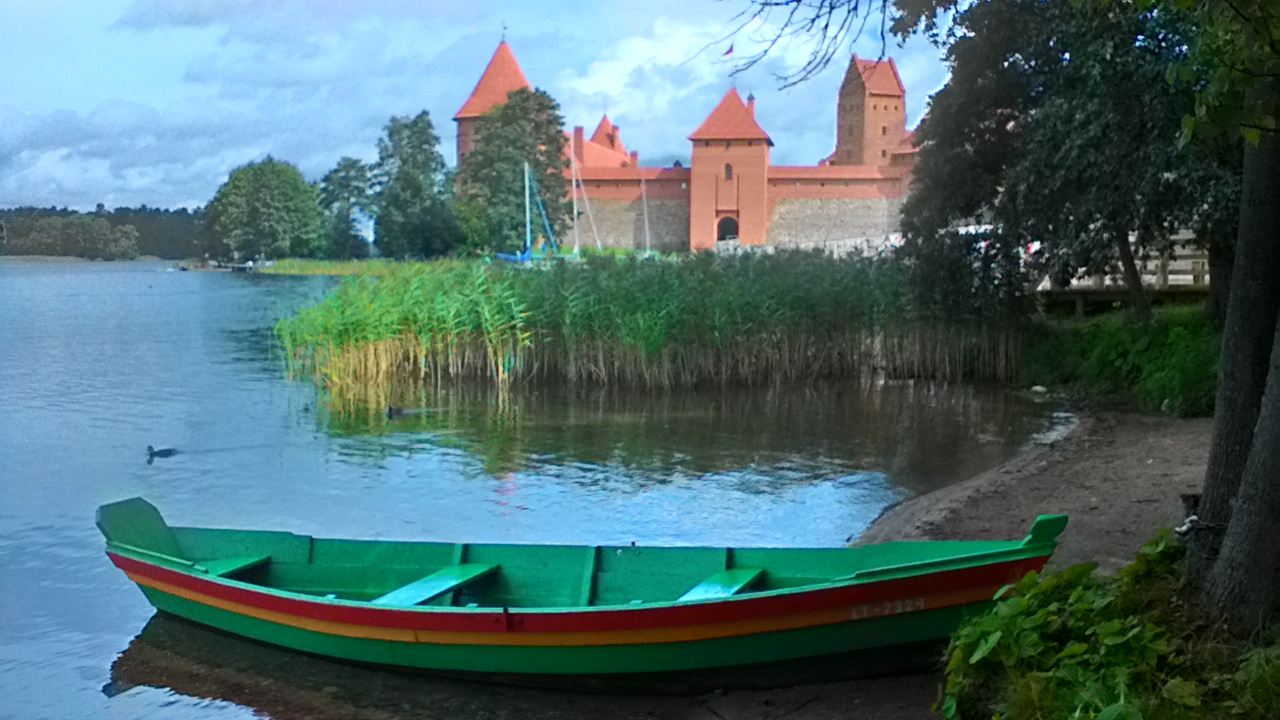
x=826 y=219
x=620 y=224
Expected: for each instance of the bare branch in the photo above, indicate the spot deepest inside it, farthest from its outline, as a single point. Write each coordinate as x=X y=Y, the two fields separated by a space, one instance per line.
x=828 y=26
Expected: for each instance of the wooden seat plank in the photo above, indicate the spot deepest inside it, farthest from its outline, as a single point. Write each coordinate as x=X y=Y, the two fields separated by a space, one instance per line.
x=434 y=585
x=229 y=566
x=723 y=584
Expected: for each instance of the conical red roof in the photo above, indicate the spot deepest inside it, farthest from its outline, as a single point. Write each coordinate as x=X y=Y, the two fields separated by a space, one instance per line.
x=730 y=120
x=880 y=76
x=606 y=134
x=501 y=76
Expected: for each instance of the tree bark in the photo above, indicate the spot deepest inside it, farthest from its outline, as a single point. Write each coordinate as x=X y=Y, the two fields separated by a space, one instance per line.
x=1221 y=260
x=1244 y=585
x=1138 y=303
x=1247 y=340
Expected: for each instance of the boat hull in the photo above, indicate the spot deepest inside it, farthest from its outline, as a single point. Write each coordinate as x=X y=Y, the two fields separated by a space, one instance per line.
x=855 y=618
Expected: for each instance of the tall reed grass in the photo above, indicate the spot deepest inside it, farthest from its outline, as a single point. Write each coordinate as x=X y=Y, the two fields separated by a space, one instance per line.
x=300 y=266
x=751 y=319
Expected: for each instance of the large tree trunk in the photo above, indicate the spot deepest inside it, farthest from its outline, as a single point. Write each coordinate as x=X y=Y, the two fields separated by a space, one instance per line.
x=1244 y=584
x=1221 y=261
x=1132 y=278
x=1246 y=348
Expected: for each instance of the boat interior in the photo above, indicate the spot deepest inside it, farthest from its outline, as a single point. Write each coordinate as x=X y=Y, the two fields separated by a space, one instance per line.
x=488 y=575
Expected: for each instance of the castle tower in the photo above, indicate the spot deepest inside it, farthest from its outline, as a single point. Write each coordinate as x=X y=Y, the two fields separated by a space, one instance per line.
x=501 y=76
x=871 y=113
x=729 y=176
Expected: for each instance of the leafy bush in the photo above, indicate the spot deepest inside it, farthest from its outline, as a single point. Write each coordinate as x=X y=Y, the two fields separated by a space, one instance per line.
x=1169 y=364
x=1068 y=645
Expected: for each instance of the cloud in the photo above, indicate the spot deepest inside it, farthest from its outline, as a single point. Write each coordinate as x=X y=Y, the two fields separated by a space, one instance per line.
x=309 y=81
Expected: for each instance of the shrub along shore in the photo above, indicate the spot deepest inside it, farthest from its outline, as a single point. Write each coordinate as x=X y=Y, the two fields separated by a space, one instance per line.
x=697 y=320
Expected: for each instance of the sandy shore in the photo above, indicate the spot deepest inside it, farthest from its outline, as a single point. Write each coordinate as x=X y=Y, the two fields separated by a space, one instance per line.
x=1117 y=476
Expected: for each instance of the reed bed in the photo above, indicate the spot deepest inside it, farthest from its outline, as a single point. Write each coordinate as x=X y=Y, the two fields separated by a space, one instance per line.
x=299 y=266
x=789 y=317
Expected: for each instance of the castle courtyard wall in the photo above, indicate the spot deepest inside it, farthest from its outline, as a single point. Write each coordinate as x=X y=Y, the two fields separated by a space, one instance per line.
x=796 y=221
x=620 y=224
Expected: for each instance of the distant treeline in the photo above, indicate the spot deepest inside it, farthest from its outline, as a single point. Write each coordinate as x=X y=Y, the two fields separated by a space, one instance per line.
x=118 y=234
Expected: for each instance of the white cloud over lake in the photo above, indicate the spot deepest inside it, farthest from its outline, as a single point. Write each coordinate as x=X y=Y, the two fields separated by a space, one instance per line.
x=156 y=101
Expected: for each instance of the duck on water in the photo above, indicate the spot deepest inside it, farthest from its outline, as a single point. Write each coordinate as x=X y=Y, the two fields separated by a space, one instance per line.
x=153 y=453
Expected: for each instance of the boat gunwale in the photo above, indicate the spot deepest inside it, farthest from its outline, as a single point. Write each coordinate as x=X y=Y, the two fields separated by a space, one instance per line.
x=853 y=591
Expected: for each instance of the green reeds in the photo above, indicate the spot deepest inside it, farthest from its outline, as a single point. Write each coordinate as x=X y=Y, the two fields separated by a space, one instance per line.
x=790 y=317
x=298 y=266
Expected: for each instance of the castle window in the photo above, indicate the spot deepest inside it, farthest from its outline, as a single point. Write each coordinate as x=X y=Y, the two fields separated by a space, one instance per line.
x=875 y=107
x=884 y=153
x=728 y=171
x=884 y=129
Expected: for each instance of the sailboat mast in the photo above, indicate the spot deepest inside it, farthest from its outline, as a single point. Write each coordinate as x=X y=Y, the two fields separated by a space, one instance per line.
x=528 y=224
x=644 y=200
x=573 y=185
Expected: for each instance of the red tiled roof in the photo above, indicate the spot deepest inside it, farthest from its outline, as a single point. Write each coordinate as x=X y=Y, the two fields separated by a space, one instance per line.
x=907 y=146
x=607 y=135
x=880 y=76
x=730 y=120
x=501 y=76
x=595 y=155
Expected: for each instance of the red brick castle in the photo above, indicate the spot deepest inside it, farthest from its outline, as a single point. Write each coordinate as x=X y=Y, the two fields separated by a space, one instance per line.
x=731 y=192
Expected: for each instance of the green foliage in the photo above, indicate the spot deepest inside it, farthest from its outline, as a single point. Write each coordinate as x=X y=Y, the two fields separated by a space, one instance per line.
x=346 y=194
x=1045 y=101
x=528 y=128
x=699 y=319
x=1169 y=364
x=265 y=210
x=163 y=233
x=414 y=219
x=87 y=236
x=1067 y=645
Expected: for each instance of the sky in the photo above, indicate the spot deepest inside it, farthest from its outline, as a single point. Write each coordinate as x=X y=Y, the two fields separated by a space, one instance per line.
x=130 y=102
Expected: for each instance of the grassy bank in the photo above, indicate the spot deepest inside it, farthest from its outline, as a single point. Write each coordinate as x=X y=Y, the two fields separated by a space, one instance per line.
x=1124 y=648
x=299 y=266
x=701 y=319
x=1169 y=365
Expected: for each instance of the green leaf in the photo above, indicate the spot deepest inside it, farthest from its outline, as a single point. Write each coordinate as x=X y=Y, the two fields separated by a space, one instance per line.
x=1120 y=711
x=985 y=647
x=1073 y=649
x=1251 y=134
x=1183 y=692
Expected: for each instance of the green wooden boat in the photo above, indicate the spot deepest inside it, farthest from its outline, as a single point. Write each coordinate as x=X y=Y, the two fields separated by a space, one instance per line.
x=562 y=609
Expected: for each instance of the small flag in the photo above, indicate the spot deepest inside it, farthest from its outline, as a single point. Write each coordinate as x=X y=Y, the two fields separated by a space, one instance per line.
x=730 y=50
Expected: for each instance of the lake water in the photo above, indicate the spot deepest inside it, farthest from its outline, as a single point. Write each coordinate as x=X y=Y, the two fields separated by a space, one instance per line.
x=99 y=360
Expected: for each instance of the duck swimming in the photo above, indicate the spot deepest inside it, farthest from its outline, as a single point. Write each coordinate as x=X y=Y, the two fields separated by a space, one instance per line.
x=153 y=453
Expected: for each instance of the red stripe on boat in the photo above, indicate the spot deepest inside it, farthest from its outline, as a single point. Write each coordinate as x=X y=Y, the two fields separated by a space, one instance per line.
x=623 y=618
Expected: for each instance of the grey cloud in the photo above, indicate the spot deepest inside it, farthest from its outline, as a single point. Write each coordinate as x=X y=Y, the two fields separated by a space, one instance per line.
x=155 y=14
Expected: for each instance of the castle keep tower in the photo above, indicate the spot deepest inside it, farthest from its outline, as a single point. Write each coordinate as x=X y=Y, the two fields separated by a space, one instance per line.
x=501 y=76
x=871 y=114
x=729 y=176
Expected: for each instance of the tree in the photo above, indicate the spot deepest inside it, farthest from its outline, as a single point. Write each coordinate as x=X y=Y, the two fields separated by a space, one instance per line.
x=1234 y=60
x=265 y=210
x=87 y=236
x=346 y=193
x=527 y=128
x=1045 y=100
x=413 y=218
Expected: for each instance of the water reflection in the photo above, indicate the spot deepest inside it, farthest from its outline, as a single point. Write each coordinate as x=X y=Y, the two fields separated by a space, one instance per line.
x=921 y=435
x=198 y=662
x=172 y=655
